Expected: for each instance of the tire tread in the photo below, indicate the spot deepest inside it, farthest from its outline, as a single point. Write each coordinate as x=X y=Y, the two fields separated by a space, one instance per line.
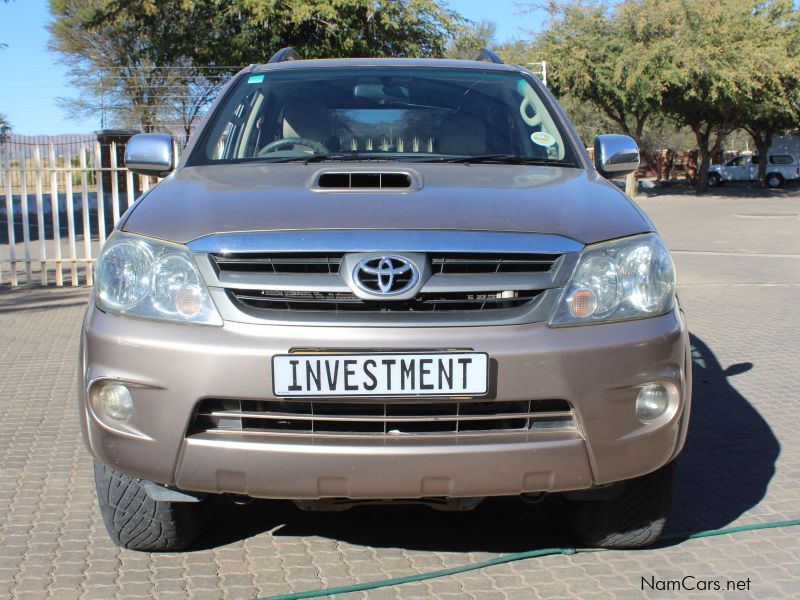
x=136 y=521
x=634 y=519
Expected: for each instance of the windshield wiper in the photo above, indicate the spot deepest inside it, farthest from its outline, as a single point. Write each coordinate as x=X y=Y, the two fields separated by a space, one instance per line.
x=333 y=157
x=503 y=159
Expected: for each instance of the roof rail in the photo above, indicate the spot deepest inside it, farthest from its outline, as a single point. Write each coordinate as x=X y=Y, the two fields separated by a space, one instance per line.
x=285 y=55
x=486 y=55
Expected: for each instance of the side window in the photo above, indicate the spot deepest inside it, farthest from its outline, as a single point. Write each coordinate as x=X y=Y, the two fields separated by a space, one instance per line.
x=736 y=162
x=755 y=159
x=780 y=159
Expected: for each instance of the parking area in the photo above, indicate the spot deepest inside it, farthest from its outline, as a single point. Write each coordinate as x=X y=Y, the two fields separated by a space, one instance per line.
x=738 y=260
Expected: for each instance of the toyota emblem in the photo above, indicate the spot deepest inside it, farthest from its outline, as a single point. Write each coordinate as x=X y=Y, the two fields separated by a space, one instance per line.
x=386 y=275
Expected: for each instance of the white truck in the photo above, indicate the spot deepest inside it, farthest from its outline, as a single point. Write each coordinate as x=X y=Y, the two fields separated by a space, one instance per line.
x=783 y=164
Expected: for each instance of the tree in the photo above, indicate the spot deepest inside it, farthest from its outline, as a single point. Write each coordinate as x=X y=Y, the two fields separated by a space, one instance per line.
x=5 y=129
x=764 y=118
x=469 y=38
x=156 y=61
x=116 y=66
x=775 y=108
x=599 y=55
x=724 y=56
x=710 y=66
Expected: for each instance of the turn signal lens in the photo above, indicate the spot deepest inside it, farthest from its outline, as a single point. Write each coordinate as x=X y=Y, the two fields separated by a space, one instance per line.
x=582 y=303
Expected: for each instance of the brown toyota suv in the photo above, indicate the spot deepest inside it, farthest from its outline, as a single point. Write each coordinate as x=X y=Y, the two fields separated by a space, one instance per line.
x=384 y=280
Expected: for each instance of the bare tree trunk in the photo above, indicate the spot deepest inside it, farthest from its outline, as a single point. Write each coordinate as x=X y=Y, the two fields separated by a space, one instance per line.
x=762 y=142
x=702 y=170
x=705 y=152
x=631 y=184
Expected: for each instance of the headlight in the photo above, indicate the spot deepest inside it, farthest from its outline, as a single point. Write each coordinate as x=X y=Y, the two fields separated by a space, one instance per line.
x=143 y=277
x=626 y=279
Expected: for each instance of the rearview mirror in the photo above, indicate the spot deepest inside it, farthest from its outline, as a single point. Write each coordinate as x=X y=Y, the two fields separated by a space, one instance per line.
x=380 y=91
x=615 y=155
x=150 y=154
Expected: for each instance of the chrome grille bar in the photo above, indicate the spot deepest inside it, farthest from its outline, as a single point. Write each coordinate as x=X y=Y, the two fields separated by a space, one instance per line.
x=376 y=417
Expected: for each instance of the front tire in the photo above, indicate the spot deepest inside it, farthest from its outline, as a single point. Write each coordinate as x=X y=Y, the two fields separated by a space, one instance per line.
x=774 y=180
x=633 y=519
x=714 y=180
x=136 y=521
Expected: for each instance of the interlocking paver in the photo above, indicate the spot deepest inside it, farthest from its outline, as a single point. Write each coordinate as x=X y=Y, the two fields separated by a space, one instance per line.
x=738 y=261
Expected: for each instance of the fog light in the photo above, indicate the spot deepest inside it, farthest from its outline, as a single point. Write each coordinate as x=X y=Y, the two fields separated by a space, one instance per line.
x=652 y=401
x=115 y=401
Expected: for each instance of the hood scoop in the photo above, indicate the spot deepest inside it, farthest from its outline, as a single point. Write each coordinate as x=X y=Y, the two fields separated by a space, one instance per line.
x=365 y=181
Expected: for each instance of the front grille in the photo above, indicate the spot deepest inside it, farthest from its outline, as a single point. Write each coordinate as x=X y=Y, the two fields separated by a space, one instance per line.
x=445 y=264
x=280 y=264
x=459 y=263
x=269 y=300
x=381 y=418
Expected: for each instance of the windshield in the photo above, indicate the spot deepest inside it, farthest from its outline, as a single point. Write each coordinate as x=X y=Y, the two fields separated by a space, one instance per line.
x=389 y=113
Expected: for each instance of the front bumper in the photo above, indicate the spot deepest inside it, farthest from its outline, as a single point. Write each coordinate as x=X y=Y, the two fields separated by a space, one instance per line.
x=598 y=369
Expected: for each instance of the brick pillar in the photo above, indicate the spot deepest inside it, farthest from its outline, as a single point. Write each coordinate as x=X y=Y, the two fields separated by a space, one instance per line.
x=120 y=137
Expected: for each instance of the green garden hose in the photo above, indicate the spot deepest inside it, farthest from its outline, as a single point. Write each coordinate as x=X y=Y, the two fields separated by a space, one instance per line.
x=371 y=585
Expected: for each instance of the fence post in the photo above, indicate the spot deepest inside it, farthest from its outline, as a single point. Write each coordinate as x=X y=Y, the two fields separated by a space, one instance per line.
x=70 y=208
x=114 y=183
x=12 y=242
x=130 y=197
x=37 y=165
x=87 y=229
x=54 y=206
x=101 y=201
x=26 y=226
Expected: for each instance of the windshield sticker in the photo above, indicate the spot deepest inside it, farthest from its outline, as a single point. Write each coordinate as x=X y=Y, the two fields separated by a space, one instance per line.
x=255 y=79
x=543 y=139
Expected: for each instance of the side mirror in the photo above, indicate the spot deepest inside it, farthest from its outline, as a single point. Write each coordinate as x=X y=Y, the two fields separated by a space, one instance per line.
x=615 y=155
x=150 y=154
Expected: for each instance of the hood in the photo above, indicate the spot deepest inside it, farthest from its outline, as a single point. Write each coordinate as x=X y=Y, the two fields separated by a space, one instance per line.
x=198 y=201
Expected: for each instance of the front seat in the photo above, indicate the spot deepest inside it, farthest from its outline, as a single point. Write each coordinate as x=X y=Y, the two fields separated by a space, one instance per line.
x=461 y=134
x=302 y=121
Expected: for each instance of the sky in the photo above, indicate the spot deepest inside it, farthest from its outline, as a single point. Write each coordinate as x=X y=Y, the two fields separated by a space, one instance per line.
x=31 y=78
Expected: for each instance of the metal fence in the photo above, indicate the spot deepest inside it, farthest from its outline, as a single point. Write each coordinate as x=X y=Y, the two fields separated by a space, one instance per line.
x=59 y=199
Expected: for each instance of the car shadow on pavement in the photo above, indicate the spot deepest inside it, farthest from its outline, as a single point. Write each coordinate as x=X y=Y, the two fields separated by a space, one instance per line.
x=730 y=453
x=724 y=470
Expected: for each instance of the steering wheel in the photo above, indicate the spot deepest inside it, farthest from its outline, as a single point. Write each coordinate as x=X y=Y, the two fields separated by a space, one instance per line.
x=317 y=147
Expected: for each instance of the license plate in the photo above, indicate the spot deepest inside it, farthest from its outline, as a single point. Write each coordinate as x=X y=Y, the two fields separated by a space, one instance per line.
x=380 y=374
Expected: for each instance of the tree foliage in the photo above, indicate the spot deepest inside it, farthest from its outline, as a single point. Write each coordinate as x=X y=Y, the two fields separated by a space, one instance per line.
x=774 y=108
x=710 y=66
x=156 y=61
x=725 y=58
x=600 y=55
x=5 y=129
x=469 y=38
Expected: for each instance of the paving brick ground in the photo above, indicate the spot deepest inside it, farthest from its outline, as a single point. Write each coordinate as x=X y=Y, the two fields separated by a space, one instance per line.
x=739 y=266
